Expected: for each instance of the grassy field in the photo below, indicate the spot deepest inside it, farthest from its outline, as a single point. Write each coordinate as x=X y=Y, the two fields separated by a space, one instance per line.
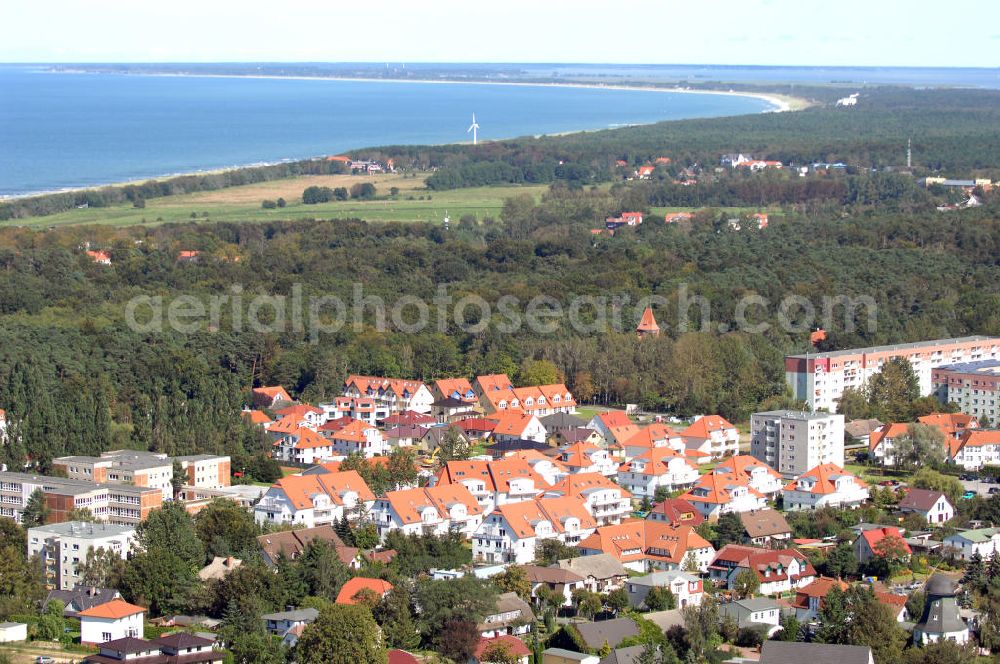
x=412 y=203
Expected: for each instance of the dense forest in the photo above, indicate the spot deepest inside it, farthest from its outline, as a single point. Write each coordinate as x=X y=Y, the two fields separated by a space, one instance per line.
x=75 y=378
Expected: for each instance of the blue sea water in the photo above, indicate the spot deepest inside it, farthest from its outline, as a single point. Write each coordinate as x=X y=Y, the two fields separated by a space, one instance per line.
x=65 y=130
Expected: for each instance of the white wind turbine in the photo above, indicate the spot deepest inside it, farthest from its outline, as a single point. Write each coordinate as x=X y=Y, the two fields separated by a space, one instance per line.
x=474 y=128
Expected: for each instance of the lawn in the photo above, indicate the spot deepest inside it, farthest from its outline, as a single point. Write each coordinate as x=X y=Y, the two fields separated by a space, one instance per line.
x=411 y=203
x=876 y=474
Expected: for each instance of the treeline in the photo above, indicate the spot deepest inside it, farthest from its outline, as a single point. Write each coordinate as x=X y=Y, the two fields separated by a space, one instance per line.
x=952 y=131
x=37 y=206
x=79 y=380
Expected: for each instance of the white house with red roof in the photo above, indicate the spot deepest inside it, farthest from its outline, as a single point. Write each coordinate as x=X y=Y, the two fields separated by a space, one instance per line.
x=510 y=533
x=299 y=445
x=551 y=470
x=655 y=468
x=716 y=494
x=494 y=483
x=365 y=409
x=880 y=541
x=677 y=512
x=624 y=219
x=351 y=591
x=454 y=388
x=976 y=448
x=357 y=438
x=588 y=458
x=713 y=435
x=513 y=648
x=779 y=571
x=314 y=500
x=651 y=437
x=110 y=621
x=826 y=485
x=642 y=545
x=614 y=426
x=606 y=501
x=268 y=397
x=809 y=599
x=538 y=400
x=393 y=394
x=304 y=415
x=99 y=256
x=517 y=425
x=760 y=476
x=881 y=442
x=433 y=510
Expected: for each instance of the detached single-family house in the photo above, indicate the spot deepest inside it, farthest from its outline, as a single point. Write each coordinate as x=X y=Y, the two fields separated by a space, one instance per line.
x=933 y=506
x=883 y=541
x=557 y=580
x=596 y=633
x=269 y=397
x=601 y=573
x=513 y=648
x=792 y=652
x=614 y=426
x=753 y=612
x=518 y=425
x=652 y=437
x=765 y=527
x=357 y=586
x=281 y=622
x=296 y=444
x=809 y=598
x=967 y=543
x=676 y=511
x=778 y=571
x=686 y=588
x=882 y=442
x=110 y=621
x=826 y=485
x=512 y=616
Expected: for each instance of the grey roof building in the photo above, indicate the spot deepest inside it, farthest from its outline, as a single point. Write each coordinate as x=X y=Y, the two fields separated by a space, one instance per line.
x=791 y=652
x=614 y=631
x=941 y=619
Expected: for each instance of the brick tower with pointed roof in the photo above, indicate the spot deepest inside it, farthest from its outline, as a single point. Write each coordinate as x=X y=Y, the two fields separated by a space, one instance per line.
x=647 y=325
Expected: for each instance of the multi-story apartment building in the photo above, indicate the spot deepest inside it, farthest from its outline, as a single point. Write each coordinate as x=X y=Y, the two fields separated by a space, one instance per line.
x=793 y=442
x=510 y=533
x=113 y=503
x=62 y=547
x=974 y=386
x=315 y=500
x=147 y=469
x=820 y=379
x=391 y=394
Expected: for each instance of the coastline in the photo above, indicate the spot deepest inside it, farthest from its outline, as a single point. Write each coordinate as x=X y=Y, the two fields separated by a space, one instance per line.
x=781 y=104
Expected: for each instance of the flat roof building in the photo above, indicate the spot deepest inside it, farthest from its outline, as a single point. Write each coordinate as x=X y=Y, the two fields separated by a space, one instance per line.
x=62 y=547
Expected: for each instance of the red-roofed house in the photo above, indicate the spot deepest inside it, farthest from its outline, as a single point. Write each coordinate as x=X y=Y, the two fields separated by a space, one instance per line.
x=314 y=500
x=588 y=458
x=268 y=397
x=494 y=483
x=110 y=621
x=614 y=426
x=652 y=436
x=976 y=448
x=393 y=394
x=433 y=510
x=303 y=415
x=512 y=647
x=297 y=444
x=510 y=533
x=826 y=485
x=357 y=438
x=896 y=604
x=606 y=501
x=349 y=591
x=809 y=599
x=881 y=442
x=645 y=172
x=655 y=468
x=677 y=512
x=778 y=571
x=257 y=417
x=952 y=425
x=454 y=388
x=886 y=541
x=714 y=435
x=645 y=546
x=100 y=257
x=718 y=493
x=758 y=474
x=677 y=217
x=517 y=425
x=624 y=219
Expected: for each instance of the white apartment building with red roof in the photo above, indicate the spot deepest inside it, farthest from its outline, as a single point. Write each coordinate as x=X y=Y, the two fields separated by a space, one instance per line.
x=826 y=485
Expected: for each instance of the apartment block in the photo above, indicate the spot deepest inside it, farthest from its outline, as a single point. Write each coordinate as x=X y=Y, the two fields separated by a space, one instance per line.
x=974 y=386
x=62 y=547
x=820 y=379
x=206 y=471
x=147 y=470
x=793 y=442
x=113 y=503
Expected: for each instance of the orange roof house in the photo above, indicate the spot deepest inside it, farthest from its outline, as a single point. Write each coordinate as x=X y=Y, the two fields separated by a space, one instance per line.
x=647 y=324
x=454 y=388
x=713 y=435
x=349 y=592
x=880 y=541
x=644 y=545
x=267 y=397
x=113 y=610
x=972 y=440
x=100 y=257
x=809 y=599
x=952 y=425
x=258 y=417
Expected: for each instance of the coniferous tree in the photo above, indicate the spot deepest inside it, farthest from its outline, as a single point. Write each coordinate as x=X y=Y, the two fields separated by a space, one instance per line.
x=36 y=512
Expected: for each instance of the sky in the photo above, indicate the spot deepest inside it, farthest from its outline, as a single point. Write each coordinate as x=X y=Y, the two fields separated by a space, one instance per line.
x=961 y=33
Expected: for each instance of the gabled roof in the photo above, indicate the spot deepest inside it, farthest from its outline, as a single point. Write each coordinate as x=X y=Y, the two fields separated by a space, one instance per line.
x=875 y=535
x=562 y=421
x=817 y=589
x=305 y=438
x=523 y=517
x=612 y=632
x=408 y=504
x=256 y=417
x=979 y=437
x=291 y=543
x=636 y=540
x=951 y=424
x=602 y=566
x=651 y=436
x=274 y=392
x=494 y=382
x=354 y=432
x=677 y=511
x=353 y=586
x=764 y=523
x=744 y=465
x=922 y=500
x=792 y=652
x=301 y=489
x=704 y=426
x=298 y=410
x=614 y=418
x=582 y=484
x=769 y=565
x=577 y=455
x=514 y=646
x=113 y=610
x=478 y=424
x=408 y=418
x=825 y=477
x=497 y=475
x=861 y=428
x=455 y=387
x=886 y=431
x=717 y=489
x=513 y=423
x=554 y=575
x=656 y=461
x=648 y=322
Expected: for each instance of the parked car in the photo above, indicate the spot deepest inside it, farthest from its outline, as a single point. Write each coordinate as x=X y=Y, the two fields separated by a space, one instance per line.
x=44 y=659
x=969 y=494
x=994 y=490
